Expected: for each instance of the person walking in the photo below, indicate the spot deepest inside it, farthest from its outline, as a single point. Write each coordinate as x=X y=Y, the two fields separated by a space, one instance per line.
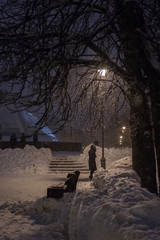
x=92 y=160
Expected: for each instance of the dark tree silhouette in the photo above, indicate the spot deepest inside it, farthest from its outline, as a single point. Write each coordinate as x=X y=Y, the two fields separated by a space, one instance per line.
x=51 y=50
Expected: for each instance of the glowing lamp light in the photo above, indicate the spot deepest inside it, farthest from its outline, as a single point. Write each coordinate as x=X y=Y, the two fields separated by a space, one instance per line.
x=102 y=72
x=123 y=129
x=120 y=141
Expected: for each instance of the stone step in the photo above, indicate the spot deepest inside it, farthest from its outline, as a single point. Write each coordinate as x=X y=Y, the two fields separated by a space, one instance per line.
x=67 y=162
x=62 y=164
x=68 y=171
x=66 y=166
x=61 y=159
x=66 y=157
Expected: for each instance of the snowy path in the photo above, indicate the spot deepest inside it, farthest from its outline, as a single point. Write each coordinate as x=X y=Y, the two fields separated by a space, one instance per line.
x=32 y=187
x=29 y=214
x=26 y=188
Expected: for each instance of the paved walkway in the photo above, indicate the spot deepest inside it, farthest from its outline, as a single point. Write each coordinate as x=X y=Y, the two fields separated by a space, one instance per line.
x=32 y=187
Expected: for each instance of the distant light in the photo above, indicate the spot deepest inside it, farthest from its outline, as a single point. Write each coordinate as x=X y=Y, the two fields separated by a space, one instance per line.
x=102 y=72
x=120 y=140
x=123 y=129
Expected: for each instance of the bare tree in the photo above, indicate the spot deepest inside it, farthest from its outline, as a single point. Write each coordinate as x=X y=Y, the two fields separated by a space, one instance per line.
x=43 y=42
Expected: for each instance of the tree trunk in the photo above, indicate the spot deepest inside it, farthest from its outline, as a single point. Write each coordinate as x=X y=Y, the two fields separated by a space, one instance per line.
x=145 y=115
x=154 y=99
x=143 y=157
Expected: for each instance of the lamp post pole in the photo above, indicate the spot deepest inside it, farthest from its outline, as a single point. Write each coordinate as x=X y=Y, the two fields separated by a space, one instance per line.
x=103 y=160
x=102 y=73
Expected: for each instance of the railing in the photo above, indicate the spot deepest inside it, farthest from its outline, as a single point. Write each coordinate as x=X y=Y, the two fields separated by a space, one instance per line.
x=54 y=146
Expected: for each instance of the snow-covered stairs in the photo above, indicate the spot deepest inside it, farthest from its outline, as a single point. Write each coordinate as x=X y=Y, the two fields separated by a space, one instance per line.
x=66 y=163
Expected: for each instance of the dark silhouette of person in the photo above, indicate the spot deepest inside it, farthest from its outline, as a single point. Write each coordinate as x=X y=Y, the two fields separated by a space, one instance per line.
x=35 y=138
x=92 y=160
x=13 y=140
x=23 y=140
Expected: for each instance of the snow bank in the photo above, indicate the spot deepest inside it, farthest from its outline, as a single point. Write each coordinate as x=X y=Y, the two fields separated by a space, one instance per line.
x=29 y=160
x=117 y=208
x=111 y=155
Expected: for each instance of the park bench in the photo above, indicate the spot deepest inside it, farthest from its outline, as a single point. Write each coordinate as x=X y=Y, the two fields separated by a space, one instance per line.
x=69 y=186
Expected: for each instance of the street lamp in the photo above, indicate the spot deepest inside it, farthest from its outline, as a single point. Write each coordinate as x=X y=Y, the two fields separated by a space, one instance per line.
x=122 y=137
x=120 y=140
x=103 y=160
x=102 y=72
x=123 y=129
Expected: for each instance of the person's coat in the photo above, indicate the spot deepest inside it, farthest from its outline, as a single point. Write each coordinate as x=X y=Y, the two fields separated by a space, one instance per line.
x=92 y=160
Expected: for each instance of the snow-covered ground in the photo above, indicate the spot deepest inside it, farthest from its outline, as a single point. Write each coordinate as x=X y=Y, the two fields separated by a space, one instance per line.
x=112 y=206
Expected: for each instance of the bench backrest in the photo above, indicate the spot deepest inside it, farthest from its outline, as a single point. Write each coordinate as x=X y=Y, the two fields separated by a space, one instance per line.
x=71 y=182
